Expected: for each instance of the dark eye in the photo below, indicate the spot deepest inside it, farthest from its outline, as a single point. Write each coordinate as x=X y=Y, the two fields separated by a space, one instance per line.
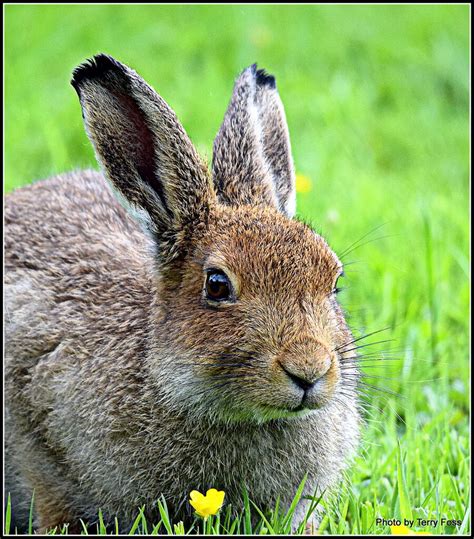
x=218 y=287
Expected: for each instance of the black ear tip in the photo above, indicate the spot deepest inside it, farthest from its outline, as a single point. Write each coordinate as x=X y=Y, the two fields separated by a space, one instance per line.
x=265 y=79
x=94 y=67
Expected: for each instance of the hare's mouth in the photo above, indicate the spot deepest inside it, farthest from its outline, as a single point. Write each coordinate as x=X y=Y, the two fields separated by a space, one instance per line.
x=304 y=408
x=307 y=405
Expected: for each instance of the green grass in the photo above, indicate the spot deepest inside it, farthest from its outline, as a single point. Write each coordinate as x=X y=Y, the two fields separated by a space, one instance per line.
x=225 y=522
x=377 y=101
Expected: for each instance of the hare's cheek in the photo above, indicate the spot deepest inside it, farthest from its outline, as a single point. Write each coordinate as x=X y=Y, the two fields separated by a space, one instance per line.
x=334 y=373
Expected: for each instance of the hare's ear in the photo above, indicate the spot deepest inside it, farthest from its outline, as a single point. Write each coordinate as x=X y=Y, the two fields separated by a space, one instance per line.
x=252 y=161
x=142 y=147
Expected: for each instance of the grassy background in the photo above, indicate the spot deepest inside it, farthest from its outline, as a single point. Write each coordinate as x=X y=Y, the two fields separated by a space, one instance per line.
x=377 y=104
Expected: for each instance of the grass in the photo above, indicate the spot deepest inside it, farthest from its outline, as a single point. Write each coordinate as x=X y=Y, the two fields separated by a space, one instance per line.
x=278 y=522
x=377 y=101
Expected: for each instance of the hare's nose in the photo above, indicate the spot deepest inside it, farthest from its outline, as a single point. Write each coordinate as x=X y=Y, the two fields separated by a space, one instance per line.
x=306 y=378
x=304 y=383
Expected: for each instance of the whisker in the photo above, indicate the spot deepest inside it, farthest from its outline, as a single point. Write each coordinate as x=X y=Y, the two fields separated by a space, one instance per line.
x=368 y=387
x=365 y=345
x=365 y=376
x=347 y=250
x=367 y=242
x=375 y=361
x=361 y=338
x=387 y=352
x=391 y=368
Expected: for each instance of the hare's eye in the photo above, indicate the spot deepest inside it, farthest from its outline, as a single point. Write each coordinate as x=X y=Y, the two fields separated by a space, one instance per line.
x=218 y=287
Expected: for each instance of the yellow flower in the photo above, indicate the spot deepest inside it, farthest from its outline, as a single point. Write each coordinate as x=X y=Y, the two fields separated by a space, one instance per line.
x=303 y=184
x=209 y=504
x=404 y=530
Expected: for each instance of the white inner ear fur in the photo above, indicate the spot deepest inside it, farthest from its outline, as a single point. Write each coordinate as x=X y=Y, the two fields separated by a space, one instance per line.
x=138 y=213
x=290 y=207
x=287 y=206
x=255 y=122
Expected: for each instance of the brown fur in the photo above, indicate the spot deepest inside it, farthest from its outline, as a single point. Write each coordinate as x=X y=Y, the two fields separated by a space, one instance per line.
x=123 y=382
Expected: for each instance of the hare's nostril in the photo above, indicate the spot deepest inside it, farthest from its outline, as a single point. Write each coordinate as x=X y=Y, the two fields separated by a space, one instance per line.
x=306 y=377
x=301 y=381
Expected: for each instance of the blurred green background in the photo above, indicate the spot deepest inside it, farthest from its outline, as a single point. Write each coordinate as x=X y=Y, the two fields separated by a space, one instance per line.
x=377 y=102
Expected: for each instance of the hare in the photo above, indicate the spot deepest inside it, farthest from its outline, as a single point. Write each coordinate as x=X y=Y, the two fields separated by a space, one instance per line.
x=185 y=338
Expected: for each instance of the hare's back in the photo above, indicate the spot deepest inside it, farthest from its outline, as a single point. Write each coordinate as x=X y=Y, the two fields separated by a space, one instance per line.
x=72 y=219
x=71 y=252
x=78 y=206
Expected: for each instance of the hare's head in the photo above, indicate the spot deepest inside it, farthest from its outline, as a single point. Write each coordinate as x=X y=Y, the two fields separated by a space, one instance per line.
x=246 y=325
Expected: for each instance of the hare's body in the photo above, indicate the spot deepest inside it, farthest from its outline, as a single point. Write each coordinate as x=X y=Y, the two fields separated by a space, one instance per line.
x=116 y=391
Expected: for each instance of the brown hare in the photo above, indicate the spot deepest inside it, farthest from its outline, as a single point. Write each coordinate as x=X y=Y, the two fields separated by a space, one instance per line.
x=192 y=340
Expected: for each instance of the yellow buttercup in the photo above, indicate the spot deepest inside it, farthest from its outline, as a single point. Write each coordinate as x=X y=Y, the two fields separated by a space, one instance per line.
x=303 y=184
x=209 y=504
x=404 y=530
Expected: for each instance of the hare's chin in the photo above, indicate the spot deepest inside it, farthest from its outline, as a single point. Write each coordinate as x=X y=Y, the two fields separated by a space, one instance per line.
x=305 y=408
x=285 y=413
x=263 y=413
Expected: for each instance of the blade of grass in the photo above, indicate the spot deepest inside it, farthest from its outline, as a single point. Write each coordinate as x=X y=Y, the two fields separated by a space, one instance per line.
x=8 y=515
x=101 y=530
x=163 y=509
x=84 y=527
x=247 y=514
x=405 y=506
x=143 y=520
x=294 y=503
x=234 y=527
x=264 y=519
x=457 y=497
x=463 y=530
x=30 y=516
x=342 y=518
x=179 y=528
x=135 y=525
x=156 y=528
